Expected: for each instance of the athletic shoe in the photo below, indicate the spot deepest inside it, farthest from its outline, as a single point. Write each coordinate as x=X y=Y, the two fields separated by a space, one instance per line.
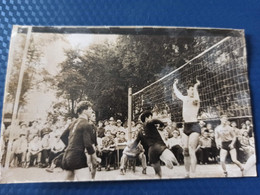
x=225 y=173
x=122 y=172
x=50 y=170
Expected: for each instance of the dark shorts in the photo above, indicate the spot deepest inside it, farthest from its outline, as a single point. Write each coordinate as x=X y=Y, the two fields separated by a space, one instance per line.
x=155 y=152
x=189 y=128
x=225 y=145
x=74 y=159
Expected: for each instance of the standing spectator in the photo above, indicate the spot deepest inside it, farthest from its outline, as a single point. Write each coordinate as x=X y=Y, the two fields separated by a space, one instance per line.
x=249 y=128
x=34 y=151
x=214 y=152
x=46 y=147
x=100 y=130
x=119 y=126
x=33 y=130
x=19 y=151
x=243 y=129
x=111 y=126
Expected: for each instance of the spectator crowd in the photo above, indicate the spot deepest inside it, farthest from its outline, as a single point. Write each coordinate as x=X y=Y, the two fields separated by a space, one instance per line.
x=38 y=143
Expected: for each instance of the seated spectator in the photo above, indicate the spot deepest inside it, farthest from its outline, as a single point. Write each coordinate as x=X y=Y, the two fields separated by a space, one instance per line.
x=34 y=152
x=171 y=128
x=175 y=145
x=204 y=148
x=111 y=127
x=56 y=148
x=121 y=138
x=214 y=152
x=108 y=148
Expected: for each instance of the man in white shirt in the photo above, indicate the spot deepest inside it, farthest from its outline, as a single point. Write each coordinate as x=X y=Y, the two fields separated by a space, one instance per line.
x=192 y=130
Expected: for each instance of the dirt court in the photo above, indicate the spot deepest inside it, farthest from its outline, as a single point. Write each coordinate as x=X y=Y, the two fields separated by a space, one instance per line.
x=22 y=175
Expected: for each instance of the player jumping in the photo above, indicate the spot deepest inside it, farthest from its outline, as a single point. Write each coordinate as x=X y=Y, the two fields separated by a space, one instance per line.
x=191 y=128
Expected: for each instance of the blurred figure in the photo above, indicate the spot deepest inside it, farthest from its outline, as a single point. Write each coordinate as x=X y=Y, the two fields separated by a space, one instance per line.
x=136 y=152
x=204 y=147
x=56 y=148
x=34 y=152
x=19 y=151
x=108 y=148
x=100 y=129
x=175 y=145
x=46 y=147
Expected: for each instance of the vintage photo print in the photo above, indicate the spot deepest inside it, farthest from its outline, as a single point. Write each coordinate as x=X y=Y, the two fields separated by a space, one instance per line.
x=126 y=103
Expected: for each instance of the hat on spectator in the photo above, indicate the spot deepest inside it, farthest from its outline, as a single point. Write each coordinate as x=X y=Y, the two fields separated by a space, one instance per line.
x=111 y=119
x=22 y=133
x=119 y=121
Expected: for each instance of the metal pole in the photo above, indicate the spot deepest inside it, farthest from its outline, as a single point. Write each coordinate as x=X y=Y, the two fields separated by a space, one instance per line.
x=17 y=97
x=129 y=113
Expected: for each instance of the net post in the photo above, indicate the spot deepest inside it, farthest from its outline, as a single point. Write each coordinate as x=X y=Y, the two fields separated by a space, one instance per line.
x=129 y=113
x=17 y=97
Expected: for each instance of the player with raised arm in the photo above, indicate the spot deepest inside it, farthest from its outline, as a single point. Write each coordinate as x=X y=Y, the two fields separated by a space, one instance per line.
x=225 y=140
x=191 y=128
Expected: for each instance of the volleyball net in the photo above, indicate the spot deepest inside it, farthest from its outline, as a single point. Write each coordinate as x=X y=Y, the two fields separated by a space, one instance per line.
x=224 y=88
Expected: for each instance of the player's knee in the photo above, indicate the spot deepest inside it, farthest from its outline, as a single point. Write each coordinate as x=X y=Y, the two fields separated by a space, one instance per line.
x=186 y=152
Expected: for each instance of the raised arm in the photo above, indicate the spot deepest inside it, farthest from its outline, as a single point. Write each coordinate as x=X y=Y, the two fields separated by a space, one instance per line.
x=196 y=93
x=176 y=90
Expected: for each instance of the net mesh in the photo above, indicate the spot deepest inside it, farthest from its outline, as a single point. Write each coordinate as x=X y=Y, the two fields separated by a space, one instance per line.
x=224 y=88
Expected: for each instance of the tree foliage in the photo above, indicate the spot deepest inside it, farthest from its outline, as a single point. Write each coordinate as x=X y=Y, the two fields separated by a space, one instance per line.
x=106 y=70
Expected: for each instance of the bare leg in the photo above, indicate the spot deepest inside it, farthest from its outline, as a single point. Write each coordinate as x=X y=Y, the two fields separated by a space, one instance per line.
x=92 y=164
x=250 y=162
x=233 y=154
x=70 y=175
x=223 y=155
x=142 y=158
x=185 y=141
x=157 y=169
x=193 y=143
x=168 y=158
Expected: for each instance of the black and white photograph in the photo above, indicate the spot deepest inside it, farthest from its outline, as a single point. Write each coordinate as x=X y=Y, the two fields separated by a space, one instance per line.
x=126 y=103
